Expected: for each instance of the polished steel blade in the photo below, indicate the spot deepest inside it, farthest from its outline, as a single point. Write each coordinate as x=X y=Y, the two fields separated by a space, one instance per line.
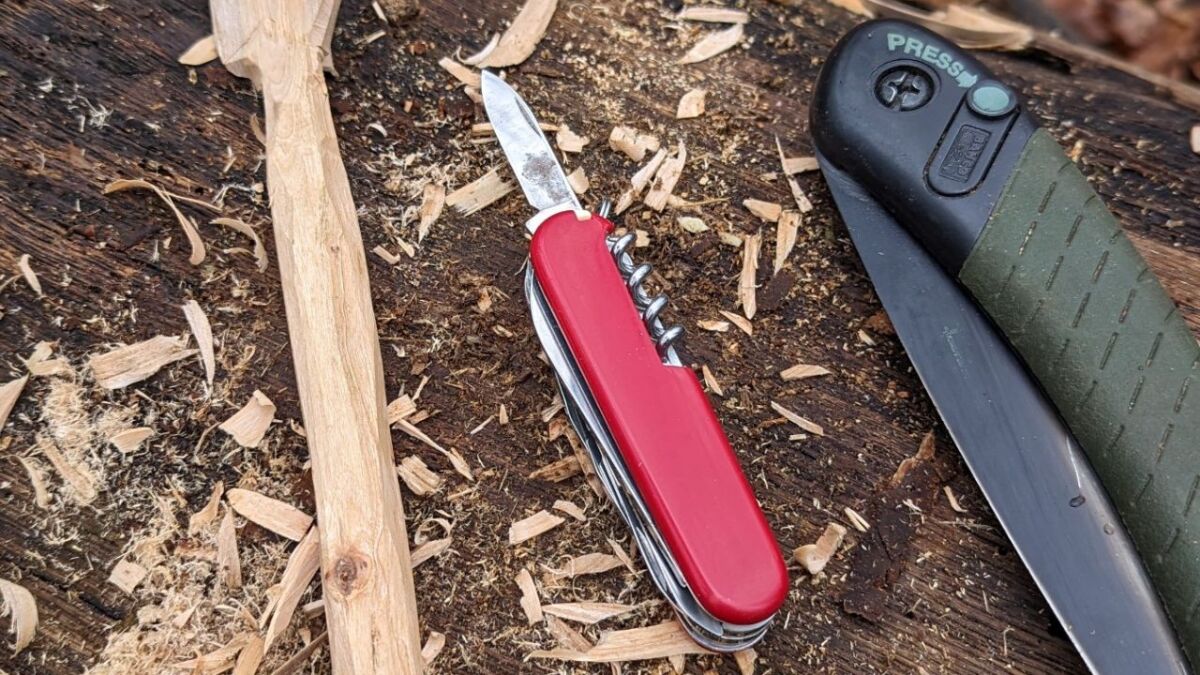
x=528 y=152
x=1031 y=469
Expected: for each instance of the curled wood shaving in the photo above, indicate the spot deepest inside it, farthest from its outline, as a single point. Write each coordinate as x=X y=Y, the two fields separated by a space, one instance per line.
x=924 y=454
x=527 y=528
x=665 y=179
x=133 y=363
x=30 y=276
x=126 y=575
x=636 y=644
x=632 y=143
x=201 y=52
x=953 y=500
x=570 y=508
x=205 y=516
x=460 y=72
x=712 y=14
x=746 y=286
x=248 y=425
x=480 y=193
x=691 y=105
x=557 y=471
x=518 y=42
x=578 y=181
x=301 y=567
x=37 y=478
x=21 y=608
x=129 y=440
x=767 y=211
x=77 y=476
x=587 y=613
x=433 y=198
x=244 y=228
x=971 y=28
x=588 y=563
x=639 y=181
x=202 y=331
x=569 y=141
x=711 y=380
x=530 y=604
x=251 y=656
x=713 y=44
x=816 y=556
x=168 y=198
x=433 y=646
x=740 y=321
x=856 y=519
x=691 y=224
x=799 y=421
x=277 y=516
x=417 y=476
x=229 y=561
x=785 y=237
x=802 y=371
x=482 y=54
x=9 y=393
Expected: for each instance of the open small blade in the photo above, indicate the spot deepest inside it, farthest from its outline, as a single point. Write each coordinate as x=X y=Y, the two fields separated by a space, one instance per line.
x=1031 y=469
x=529 y=154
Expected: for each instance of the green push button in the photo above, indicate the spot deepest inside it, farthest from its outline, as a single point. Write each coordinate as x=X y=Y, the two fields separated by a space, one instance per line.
x=991 y=99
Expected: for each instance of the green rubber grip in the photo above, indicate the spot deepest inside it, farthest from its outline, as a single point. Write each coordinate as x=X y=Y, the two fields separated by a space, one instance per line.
x=1062 y=281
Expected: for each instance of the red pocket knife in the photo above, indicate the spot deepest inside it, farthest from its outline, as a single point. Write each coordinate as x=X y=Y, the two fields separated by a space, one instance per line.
x=645 y=421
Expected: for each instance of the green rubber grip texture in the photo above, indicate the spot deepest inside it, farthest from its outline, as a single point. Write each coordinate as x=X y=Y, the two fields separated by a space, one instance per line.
x=1058 y=276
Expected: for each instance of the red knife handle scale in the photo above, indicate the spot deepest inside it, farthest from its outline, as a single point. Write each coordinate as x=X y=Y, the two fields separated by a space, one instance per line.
x=664 y=426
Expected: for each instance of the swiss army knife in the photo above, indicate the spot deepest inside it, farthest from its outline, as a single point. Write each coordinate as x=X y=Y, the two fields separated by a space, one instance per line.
x=641 y=414
x=1061 y=368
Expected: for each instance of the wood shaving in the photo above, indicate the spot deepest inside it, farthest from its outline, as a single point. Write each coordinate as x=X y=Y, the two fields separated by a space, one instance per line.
x=802 y=371
x=251 y=656
x=21 y=608
x=639 y=182
x=40 y=364
x=691 y=105
x=866 y=338
x=953 y=500
x=30 y=276
x=302 y=657
x=622 y=556
x=691 y=224
x=712 y=14
x=587 y=613
x=740 y=321
x=187 y=224
x=632 y=142
x=527 y=528
x=126 y=575
x=277 y=516
x=456 y=460
x=1195 y=138
x=229 y=561
x=217 y=661
x=578 y=181
x=785 y=237
x=248 y=425
x=479 y=56
x=746 y=286
x=37 y=478
x=924 y=454
x=810 y=427
x=387 y=256
x=678 y=663
x=569 y=141
x=202 y=331
x=460 y=72
x=557 y=471
x=433 y=646
x=714 y=43
x=767 y=211
x=713 y=325
x=301 y=567
x=244 y=228
x=9 y=393
x=433 y=198
x=77 y=476
x=969 y=27
x=429 y=549
x=518 y=42
x=417 y=476
x=133 y=363
x=479 y=194
x=856 y=519
x=665 y=179
x=816 y=556
x=745 y=659
x=129 y=440
x=566 y=636
x=530 y=603
x=403 y=406
x=711 y=380
x=201 y=52
x=201 y=519
x=570 y=508
x=588 y=563
x=636 y=644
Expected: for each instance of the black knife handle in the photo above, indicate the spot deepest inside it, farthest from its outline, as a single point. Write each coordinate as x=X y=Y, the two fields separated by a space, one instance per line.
x=952 y=155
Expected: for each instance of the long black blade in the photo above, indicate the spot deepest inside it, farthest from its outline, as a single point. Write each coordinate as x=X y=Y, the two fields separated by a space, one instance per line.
x=1032 y=471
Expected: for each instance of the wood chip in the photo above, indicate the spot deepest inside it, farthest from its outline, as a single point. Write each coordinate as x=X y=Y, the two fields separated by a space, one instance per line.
x=456 y=460
x=208 y=514
x=277 y=516
x=953 y=500
x=856 y=519
x=712 y=14
x=130 y=440
x=678 y=663
x=588 y=563
x=201 y=52
x=794 y=165
x=924 y=453
x=433 y=646
x=802 y=371
x=632 y=143
x=866 y=338
x=386 y=255
x=740 y=321
x=429 y=549
x=746 y=286
x=711 y=380
x=250 y=424
x=745 y=659
x=133 y=363
x=229 y=561
x=40 y=364
x=557 y=471
x=578 y=181
x=9 y=393
x=30 y=276
x=713 y=44
x=665 y=179
x=785 y=237
x=1196 y=139
x=433 y=198
x=417 y=476
x=479 y=194
x=518 y=42
x=127 y=575
x=202 y=331
x=530 y=603
x=639 y=181
x=767 y=211
x=400 y=408
x=569 y=141
x=37 y=478
x=301 y=567
x=570 y=508
x=587 y=613
x=77 y=476
x=251 y=656
x=460 y=72
x=814 y=557
x=21 y=608
x=244 y=228
x=691 y=105
x=636 y=644
x=187 y=224
x=692 y=224
x=713 y=325
x=799 y=421
x=527 y=528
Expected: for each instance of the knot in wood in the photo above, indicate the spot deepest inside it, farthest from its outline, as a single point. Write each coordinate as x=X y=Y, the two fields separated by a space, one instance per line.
x=350 y=573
